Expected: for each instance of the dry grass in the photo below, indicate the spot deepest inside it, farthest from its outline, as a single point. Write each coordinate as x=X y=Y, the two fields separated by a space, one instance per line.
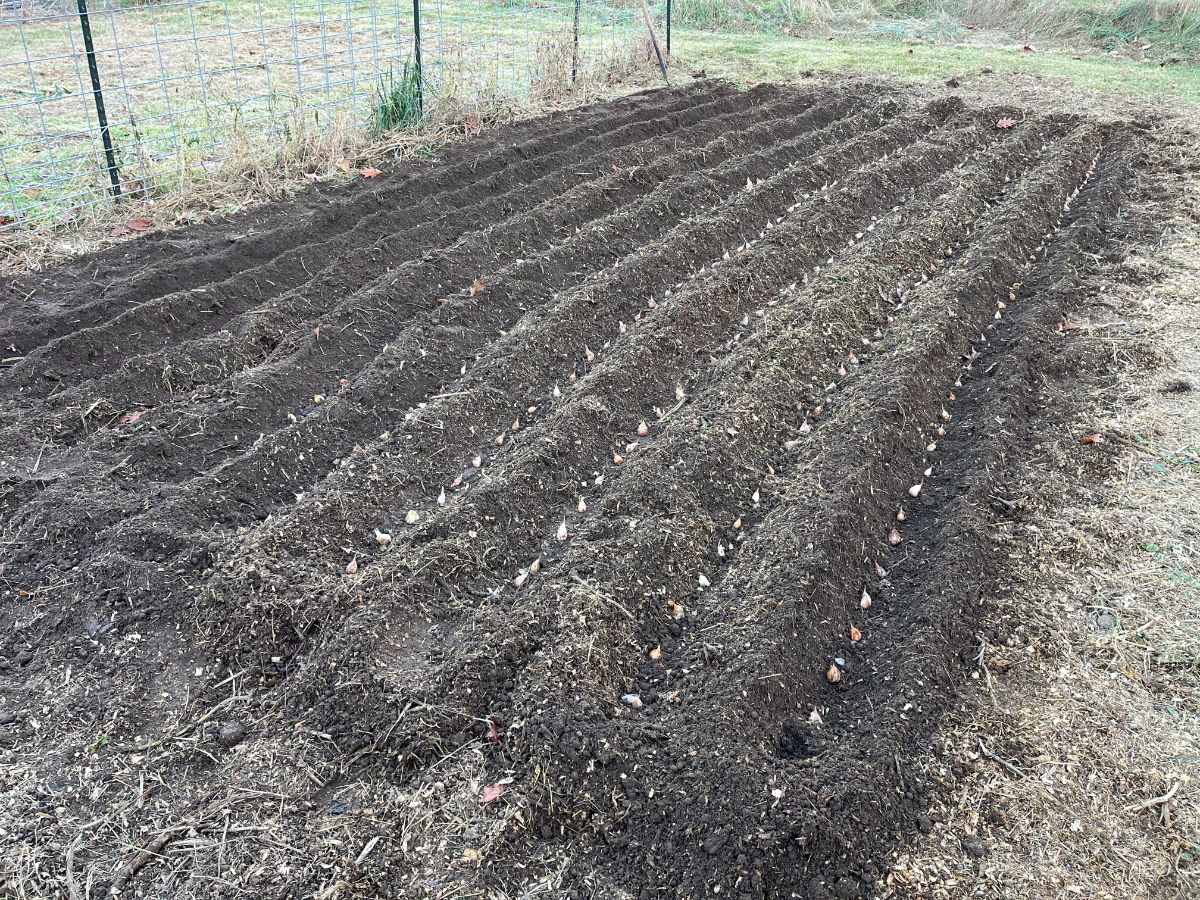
x=1079 y=767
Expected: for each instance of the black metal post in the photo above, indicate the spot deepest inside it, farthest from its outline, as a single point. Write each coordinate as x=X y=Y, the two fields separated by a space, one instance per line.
x=417 y=54
x=668 y=27
x=575 y=45
x=662 y=63
x=98 y=97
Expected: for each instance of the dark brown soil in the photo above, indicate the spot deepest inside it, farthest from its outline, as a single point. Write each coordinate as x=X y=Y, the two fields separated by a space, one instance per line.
x=273 y=489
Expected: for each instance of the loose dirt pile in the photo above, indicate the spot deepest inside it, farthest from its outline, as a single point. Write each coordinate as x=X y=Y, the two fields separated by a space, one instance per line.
x=602 y=511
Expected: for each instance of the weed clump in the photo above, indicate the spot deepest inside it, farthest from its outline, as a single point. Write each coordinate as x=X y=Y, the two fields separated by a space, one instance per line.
x=397 y=100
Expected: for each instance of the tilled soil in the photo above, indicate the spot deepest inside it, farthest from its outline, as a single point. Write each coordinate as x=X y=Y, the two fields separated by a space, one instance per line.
x=599 y=511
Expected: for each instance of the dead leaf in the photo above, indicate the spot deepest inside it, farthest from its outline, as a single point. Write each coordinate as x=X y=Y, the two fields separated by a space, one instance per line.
x=477 y=288
x=130 y=418
x=370 y=172
x=855 y=634
x=130 y=227
x=493 y=732
x=352 y=566
x=312 y=176
x=1094 y=438
x=471 y=125
x=1006 y=123
x=493 y=792
x=344 y=165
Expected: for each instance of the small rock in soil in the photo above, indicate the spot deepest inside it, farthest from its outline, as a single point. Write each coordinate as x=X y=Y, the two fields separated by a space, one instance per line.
x=973 y=846
x=715 y=842
x=231 y=734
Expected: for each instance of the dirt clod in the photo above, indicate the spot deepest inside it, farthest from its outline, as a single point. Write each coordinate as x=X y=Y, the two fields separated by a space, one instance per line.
x=231 y=734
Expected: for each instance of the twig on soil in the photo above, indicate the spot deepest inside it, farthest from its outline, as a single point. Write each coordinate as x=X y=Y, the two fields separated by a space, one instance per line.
x=1153 y=801
x=987 y=674
x=143 y=856
x=599 y=596
x=667 y=414
x=1134 y=445
x=983 y=748
x=366 y=851
x=191 y=726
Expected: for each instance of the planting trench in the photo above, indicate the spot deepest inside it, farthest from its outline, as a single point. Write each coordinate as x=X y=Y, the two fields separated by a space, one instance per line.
x=644 y=455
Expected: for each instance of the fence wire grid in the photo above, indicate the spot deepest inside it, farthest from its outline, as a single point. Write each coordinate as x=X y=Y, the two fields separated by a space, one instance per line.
x=187 y=83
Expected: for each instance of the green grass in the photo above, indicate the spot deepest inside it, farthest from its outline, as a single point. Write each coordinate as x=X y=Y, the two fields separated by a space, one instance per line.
x=397 y=100
x=762 y=57
x=1140 y=22
x=1164 y=27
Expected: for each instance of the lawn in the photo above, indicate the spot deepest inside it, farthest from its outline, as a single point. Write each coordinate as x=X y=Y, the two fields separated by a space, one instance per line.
x=764 y=56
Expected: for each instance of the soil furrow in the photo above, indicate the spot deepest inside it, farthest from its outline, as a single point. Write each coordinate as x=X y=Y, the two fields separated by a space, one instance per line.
x=375 y=243
x=660 y=510
x=705 y=237
x=196 y=363
x=325 y=220
x=519 y=362
x=836 y=303
x=785 y=611
x=568 y=449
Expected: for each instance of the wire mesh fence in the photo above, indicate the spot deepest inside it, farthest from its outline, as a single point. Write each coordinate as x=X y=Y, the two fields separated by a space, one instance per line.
x=113 y=99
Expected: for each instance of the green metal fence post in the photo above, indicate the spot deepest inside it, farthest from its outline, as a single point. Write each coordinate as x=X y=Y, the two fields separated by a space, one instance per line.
x=417 y=55
x=110 y=156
